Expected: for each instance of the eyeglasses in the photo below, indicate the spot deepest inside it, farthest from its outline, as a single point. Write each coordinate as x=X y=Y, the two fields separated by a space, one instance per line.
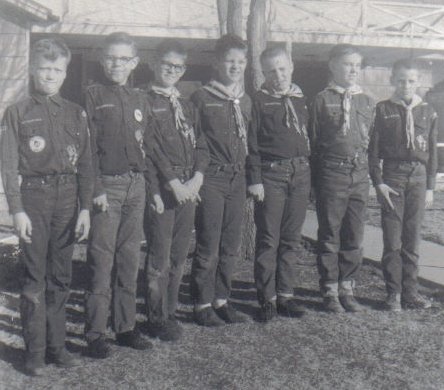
x=173 y=67
x=114 y=59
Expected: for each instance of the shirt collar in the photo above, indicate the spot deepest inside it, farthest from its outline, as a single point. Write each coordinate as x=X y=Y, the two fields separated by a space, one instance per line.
x=42 y=99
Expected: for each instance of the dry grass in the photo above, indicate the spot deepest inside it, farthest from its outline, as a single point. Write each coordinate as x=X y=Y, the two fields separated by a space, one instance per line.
x=373 y=350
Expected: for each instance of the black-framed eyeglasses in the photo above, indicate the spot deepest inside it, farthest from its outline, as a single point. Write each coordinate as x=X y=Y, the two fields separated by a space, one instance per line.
x=114 y=59
x=178 y=68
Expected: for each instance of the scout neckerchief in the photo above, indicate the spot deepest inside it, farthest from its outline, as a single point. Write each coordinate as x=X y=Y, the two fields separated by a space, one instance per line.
x=346 y=102
x=291 y=116
x=410 y=122
x=218 y=89
x=173 y=95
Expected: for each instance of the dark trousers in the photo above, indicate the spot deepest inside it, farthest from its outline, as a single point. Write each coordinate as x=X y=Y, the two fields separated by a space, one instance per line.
x=279 y=219
x=114 y=256
x=220 y=216
x=401 y=226
x=341 y=200
x=51 y=205
x=168 y=239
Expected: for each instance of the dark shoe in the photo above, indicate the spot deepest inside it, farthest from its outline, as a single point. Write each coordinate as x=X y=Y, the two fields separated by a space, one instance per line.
x=267 y=312
x=230 y=315
x=350 y=304
x=133 y=339
x=98 y=349
x=62 y=358
x=393 y=302
x=35 y=364
x=415 y=301
x=166 y=331
x=207 y=317
x=332 y=304
x=288 y=307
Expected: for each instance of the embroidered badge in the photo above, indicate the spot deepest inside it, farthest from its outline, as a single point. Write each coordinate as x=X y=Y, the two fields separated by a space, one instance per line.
x=37 y=144
x=31 y=121
x=83 y=114
x=139 y=138
x=138 y=115
x=213 y=105
x=105 y=106
x=73 y=156
x=422 y=142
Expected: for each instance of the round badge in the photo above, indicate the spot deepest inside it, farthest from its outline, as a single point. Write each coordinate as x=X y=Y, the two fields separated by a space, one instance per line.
x=83 y=114
x=37 y=144
x=236 y=101
x=138 y=115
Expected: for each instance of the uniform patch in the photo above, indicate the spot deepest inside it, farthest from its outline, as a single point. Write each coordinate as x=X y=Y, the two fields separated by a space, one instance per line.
x=105 y=106
x=138 y=115
x=73 y=156
x=273 y=104
x=159 y=109
x=139 y=138
x=422 y=143
x=213 y=105
x=83 y=114
x=3 y=129
x=31 y=121
x=37 y=144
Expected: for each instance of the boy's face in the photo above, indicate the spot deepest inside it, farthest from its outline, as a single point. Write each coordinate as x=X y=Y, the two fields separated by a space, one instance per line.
x=406 y=82
x=277 y=71
x=169 y=69
x=118 y=61
x=48 y=76
x=232 y=66
x=346 y=69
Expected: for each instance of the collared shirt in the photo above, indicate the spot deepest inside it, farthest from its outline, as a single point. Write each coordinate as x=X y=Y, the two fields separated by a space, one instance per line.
x=219 y=127
x=327 y=116
x=172 y=149
x=45 y=136
x=269 y=138
x=389 y=139
x=119 y=118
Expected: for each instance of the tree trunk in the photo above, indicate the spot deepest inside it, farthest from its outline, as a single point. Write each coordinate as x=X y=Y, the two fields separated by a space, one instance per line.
x=222 y=13
x=234 y=19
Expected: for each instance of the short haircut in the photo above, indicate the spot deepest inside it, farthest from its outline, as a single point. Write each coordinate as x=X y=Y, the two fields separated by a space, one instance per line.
x=170 y=46
x=120 y=38
x=406 y=63
x=272 y=52
x=227 y=42
x=342 y=50
x=51 y=49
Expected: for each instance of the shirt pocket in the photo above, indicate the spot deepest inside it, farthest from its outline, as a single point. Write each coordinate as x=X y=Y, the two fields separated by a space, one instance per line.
x=33 y=139
x=273 y=116
x=215 y=117
x=364 y=117
x=422 y=134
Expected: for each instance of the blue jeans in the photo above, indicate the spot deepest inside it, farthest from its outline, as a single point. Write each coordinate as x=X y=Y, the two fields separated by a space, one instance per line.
x=220 y=216
x=401 y=226
x=51 y=205
x=279 y=219
x=341 y=199
x=114 y=256
x=168 y=240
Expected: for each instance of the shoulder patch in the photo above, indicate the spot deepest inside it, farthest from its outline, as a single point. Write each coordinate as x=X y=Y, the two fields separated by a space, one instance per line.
x=83 y=114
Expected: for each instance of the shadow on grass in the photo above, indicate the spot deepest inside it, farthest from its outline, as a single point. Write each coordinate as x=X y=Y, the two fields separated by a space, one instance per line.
x=13 y=356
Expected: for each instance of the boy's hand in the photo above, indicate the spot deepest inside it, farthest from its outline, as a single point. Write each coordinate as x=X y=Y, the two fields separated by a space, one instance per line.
x=257 y=192
x=23 y=226
x=157 y=204
x=429 y=199
x=194 y=185
x=180 y=191
x=383 y=192
x=101 y=202
x=82 y=226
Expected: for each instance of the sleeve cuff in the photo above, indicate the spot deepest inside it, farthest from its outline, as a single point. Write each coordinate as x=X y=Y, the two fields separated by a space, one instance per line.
x=15 y=205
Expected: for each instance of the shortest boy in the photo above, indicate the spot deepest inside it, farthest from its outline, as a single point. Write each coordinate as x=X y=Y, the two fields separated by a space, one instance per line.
x=181 y=156
x=404 y=137
x=46 y=170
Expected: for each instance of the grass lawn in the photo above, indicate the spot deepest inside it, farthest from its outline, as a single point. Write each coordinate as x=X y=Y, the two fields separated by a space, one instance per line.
x=372 y=350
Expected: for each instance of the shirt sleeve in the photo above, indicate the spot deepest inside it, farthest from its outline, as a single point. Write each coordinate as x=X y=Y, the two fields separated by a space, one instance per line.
x=432 y=164
x=254 y=173
x=151 y=178
x=85 y=172
x=374 y=161
x=202 y=153
x=10 y=161
x=313 y=125
x=90 y=109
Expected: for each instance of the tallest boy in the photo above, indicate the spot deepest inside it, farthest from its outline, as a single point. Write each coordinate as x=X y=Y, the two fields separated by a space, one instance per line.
x=341 y=119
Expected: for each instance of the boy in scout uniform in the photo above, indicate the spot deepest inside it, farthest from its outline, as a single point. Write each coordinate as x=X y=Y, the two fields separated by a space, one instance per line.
x=118 y=122
x=47 y=172
x=225 y=112
x=404 y=138
x=341 y=118
x=181 y=158
x=279 y=180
